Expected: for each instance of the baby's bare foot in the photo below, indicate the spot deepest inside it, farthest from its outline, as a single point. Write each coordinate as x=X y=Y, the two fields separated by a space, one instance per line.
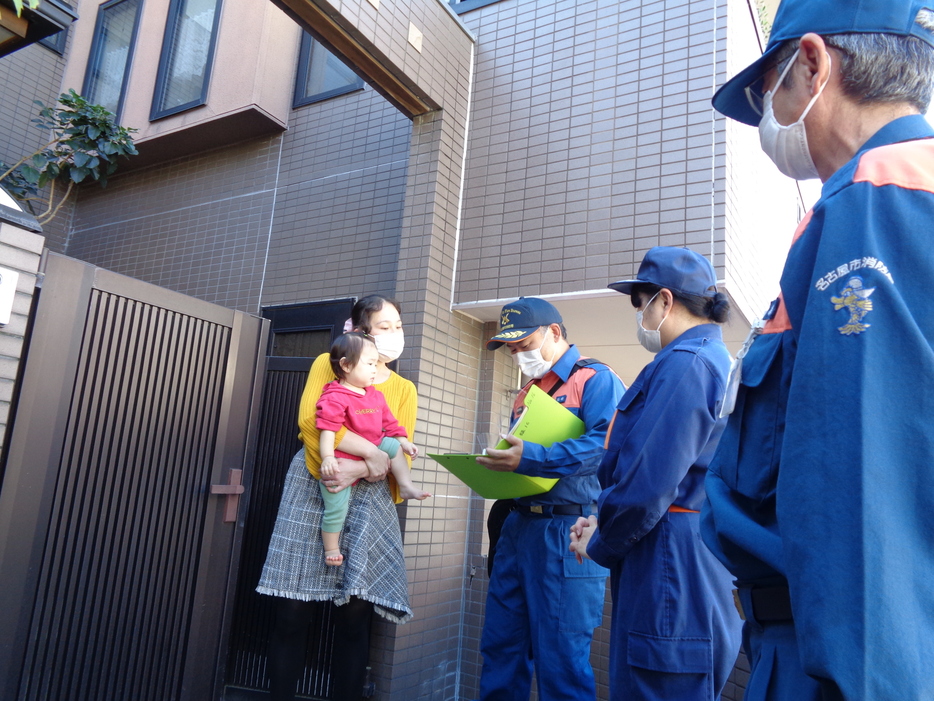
x=412 y=492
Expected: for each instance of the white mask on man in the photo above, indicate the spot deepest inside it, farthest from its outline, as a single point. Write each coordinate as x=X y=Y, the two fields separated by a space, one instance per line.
x=787 y=146
x=532 y=363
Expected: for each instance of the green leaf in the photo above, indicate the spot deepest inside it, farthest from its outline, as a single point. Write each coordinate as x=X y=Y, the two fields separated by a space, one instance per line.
x=30 y=173
x=84 y=140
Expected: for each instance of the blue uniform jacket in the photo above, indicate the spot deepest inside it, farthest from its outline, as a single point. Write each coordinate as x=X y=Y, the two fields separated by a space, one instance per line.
x=591 y=394
x=661 y=441
x=824 y=477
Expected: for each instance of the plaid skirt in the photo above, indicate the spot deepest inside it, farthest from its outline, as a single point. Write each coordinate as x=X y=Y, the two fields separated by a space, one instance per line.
x=374 y=565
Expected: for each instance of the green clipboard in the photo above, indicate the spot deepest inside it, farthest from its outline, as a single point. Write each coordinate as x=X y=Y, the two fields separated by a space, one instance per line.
x=544 y=421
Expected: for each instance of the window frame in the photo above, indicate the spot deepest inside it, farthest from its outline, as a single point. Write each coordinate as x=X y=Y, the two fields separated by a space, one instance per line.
x=168 y=36
x=56 y=42
x=462 y=6
x=96 y=46
x=299 y=98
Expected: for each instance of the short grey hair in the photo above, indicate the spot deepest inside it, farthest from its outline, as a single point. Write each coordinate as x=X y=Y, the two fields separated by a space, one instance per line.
x=881 y=68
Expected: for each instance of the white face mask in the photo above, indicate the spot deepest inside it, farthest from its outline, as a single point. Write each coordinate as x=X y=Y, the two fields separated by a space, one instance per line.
x=788 y=146
x=389 y=345
x=532 y=363
x=650 y=340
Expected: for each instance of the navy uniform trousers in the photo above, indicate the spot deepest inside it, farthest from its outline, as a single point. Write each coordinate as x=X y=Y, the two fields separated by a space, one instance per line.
x=534 y=570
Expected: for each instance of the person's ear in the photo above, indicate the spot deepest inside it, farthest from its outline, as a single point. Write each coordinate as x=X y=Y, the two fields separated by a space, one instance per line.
x=666 y=298
x=814 y=58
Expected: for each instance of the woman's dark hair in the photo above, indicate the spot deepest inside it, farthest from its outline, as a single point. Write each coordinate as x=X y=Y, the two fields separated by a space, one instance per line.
x=348 y=347
x=716 y=308
x=366 y=307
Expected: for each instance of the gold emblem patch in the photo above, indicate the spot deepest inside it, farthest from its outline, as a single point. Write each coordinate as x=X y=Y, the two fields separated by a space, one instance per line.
x=854 y=298
x=506 y=335
x=504 y=320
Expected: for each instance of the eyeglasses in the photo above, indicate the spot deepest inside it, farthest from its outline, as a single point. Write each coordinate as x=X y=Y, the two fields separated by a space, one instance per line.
x=755 y=94
x=755 y=91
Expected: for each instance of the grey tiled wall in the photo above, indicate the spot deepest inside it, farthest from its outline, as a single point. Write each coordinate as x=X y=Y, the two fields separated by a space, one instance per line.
x=438 y=69
x=338 y=211
x=497 y=376
x=445 y=368
x=198 y=225
x=30 y=74
x=592 y=139
x=313 y=214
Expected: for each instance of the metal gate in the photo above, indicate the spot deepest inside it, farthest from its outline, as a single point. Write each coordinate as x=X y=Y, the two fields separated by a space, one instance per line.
x=299 y=332
x=117 y=552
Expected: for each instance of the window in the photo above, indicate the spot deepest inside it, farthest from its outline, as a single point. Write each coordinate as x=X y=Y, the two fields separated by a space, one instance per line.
x=321 y=74
x=56 y=41
x=111 y=51
x=462 y=6
x=187 y=55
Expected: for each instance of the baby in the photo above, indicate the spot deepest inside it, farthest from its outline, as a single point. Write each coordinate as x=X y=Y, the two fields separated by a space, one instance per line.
x=352 y=401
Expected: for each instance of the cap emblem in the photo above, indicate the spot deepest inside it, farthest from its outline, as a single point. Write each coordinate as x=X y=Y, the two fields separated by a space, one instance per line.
x=504 y=321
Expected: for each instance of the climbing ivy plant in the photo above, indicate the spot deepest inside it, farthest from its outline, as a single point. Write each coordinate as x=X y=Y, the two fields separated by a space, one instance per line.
x=85 y=143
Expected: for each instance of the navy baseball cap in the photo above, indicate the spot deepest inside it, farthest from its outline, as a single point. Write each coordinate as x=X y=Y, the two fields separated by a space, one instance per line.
x=522 y=318
x=676 y=269
x=795 y=18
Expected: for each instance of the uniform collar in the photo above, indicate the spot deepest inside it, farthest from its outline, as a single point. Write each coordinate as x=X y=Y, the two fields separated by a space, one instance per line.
x=712 y=331
x=565 y=363
x=909 y=128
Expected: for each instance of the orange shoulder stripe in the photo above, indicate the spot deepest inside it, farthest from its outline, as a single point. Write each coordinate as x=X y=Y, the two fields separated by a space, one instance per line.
x=909 y=164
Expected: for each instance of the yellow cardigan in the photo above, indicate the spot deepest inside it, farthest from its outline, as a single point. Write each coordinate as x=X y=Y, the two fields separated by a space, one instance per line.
x=400 y=396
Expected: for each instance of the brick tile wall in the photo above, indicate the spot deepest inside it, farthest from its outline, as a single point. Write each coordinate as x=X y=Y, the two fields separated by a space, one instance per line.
x=30 y=74
x=338 y=213
x=445 y=368
x=198 y=225
x=592 y=140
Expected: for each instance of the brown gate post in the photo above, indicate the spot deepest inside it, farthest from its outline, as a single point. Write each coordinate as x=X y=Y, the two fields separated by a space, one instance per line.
x=115 y=560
